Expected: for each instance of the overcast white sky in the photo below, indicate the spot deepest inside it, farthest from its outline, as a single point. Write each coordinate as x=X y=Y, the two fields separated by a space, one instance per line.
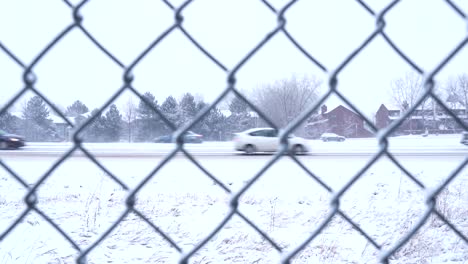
x=74 y=69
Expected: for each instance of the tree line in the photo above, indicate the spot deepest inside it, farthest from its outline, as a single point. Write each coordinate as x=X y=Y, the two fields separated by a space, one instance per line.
x=132 y=123
x=281 y=102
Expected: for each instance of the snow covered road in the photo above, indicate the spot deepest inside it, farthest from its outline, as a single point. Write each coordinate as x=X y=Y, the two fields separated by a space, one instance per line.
x=442 y=145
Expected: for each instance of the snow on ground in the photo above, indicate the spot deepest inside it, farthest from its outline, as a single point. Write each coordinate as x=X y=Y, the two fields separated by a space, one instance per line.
x=285 y=202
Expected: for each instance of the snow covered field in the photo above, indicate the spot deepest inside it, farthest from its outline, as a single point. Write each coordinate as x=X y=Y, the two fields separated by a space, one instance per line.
x=286 y=203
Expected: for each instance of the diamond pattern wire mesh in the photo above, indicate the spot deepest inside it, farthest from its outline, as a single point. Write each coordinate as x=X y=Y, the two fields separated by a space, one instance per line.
x=29 y=80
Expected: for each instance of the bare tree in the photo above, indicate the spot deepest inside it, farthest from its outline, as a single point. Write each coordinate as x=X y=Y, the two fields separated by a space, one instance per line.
x=406 y=91
x=129 y=111
x=285 y=99
x=461 y=90
x=455 y=92
x=450 y=91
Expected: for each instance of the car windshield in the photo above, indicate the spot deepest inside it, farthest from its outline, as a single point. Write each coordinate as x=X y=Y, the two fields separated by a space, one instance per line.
x=268 y=133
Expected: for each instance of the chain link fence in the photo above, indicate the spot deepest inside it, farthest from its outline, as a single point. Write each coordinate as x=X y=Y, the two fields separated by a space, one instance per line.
x=29 y=80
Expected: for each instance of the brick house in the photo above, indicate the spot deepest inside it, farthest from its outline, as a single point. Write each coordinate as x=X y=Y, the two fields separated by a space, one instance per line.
x=341 y=121
x=385 y=115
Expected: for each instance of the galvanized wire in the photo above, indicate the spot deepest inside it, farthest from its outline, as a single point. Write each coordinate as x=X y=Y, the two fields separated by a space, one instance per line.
x=29 y=80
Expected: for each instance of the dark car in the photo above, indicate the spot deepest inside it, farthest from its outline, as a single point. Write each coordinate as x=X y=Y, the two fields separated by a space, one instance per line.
x=10 y=141
x=464 y=139
x=189 y=137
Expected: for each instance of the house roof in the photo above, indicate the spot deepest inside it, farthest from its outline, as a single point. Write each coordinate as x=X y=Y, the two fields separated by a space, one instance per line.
x=342 y=107
x=320 y=121
x=57 y=119
x=391 y=106
x=228 y=113
x=17 y=114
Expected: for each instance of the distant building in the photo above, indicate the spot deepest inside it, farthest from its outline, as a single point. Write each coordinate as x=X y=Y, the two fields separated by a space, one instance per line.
x=433 y=120
x=341 y=121
x=61 y=127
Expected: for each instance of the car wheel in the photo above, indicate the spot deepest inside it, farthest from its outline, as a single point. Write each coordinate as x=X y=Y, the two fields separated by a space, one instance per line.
x=298 y=150
x=341 y=139
x=249 y=149
x=3 y=145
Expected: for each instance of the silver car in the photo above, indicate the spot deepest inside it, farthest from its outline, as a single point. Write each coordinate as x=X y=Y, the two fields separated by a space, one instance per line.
x=331 y=137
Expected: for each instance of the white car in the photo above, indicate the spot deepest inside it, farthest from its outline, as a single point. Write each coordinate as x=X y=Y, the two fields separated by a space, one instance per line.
x=266 y=140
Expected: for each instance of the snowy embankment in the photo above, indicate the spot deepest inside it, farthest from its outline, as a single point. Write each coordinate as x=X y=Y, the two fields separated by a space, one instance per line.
x=286 y=203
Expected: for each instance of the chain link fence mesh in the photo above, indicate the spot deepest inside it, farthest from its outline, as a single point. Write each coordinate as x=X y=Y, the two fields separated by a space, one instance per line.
x=29 y=80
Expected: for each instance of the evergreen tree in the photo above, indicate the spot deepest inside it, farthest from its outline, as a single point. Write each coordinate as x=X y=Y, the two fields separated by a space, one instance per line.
x=238 y=106
x=146 y=111
x=8 y=122
x=200 y=105
x=148 y=121
x=113 y=124
x=188 y=108
x=37 y=125
x=79 y=120
x=95 y=131
x=76 y=109
x=240 y=118
x=201 y=126
x=170 y=109
x=213 y=125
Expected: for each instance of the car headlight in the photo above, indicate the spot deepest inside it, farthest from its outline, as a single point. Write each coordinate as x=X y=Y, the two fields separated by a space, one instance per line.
x=14 y=139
